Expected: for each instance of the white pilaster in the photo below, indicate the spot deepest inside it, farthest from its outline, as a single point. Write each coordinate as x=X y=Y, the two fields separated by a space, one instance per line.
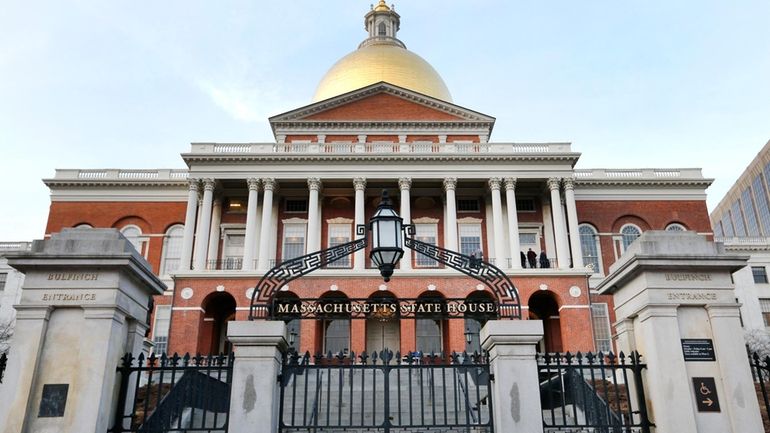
x=404 y=185
x=559 y=228
x=313 y=216
x=250 y=240
x=189 y=225
x=216 y=220
x=572 y=220
x=259 y=345
x=263 y=260
x=513 y=222
x=201 y=240
x=497 y=219
x=512 y=346
x=450 y=185
x=359 y=184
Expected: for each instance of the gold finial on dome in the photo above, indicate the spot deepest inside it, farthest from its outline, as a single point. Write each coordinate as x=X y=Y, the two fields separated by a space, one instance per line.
x=382 y=7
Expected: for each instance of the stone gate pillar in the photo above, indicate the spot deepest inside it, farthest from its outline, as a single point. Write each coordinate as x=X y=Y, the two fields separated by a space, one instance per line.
x=675 y=304
x=84 y=303
x=254 y=399
x=512 y=346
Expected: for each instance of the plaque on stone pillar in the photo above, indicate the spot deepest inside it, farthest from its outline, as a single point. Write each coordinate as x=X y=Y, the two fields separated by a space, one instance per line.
x=706 y=394
x=53 y=401
x=698 y=349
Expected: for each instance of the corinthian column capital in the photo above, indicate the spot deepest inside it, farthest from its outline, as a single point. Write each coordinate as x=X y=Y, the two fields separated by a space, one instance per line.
x=359 y=183
x=269 y=184
x=569 y=183
x=208 y=184
x=450 y=183
x=194 y=185
x=314 y=183
x=253 y=183
x=405 y=183
x=494 y=183
x=510 y=183
x=553 y=183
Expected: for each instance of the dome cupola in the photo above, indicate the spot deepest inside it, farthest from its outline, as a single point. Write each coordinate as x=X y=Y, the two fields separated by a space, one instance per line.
x=382 y=57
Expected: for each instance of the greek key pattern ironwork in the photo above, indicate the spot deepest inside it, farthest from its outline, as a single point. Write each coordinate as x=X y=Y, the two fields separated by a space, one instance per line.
x=292 y=269
x=487 y=273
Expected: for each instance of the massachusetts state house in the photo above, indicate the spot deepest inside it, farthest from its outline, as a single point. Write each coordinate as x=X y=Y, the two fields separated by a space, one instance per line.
x=381 y=119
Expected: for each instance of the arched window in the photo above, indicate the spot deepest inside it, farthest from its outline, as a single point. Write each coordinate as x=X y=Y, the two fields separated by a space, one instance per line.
x=336 y=326
x=134 y=235
x=629 y=232
x=429 y=327
x=675 y=227
x=382 y=29
x=84 y=226
x=589 y=244
x=172 y=249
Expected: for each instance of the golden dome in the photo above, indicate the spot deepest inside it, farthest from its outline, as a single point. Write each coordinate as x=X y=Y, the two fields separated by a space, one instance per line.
x=382 y=62
x=382 y=7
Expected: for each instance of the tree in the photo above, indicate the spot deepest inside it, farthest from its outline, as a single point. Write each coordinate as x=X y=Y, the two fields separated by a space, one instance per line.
x=758 y=341
x=6 y=332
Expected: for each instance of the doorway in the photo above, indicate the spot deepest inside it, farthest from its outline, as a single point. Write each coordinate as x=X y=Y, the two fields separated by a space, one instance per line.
x=543 y=306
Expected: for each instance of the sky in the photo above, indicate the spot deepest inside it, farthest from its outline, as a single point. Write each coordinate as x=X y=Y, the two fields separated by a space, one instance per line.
x=129 y=84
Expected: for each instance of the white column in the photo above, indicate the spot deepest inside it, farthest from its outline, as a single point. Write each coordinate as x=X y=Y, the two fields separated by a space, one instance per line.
x=450 y=184
x=313 y=216
x=513 y=222
x=572 y=220
x=202 y=238
x=189 y=225
x=250 y=240
x=359 y=184
x=404 y=185
x=268 y=186
x=558 y=223
x=512 y=346
x=497 y=219
x=216 y=220
x=256 y=392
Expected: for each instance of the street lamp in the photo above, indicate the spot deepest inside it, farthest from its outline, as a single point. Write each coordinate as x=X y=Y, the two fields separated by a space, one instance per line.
x=386 y=228
x=468 y=336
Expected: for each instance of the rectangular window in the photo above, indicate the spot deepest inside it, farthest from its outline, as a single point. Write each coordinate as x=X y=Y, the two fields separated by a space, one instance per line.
x=527 y=238
x=601 y=324
x=3 y=280
x=735 y=211
x=468 y=205
x=428 y=336
x=760 y=198
x=339 y=234
x=727 y=225
x=426 y=233
x=764 y=305
x=235 y=205
x=337 y=336
x=718 y=230
x=296 y=205
x=233 y=253
x=525 y=205
x=752 y=225
x=160 y=328
x=293 y=240
x=760 y=274
x=470 y=239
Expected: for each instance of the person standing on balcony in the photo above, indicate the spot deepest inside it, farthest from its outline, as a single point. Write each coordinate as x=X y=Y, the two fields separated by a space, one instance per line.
x=523 y=259
x=532 y=258
x=544 y=262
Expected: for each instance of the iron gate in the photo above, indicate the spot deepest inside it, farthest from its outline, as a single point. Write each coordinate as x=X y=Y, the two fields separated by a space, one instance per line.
x=385 y=392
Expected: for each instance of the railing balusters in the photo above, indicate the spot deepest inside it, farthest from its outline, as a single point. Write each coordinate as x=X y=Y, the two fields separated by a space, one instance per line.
x=595 y=385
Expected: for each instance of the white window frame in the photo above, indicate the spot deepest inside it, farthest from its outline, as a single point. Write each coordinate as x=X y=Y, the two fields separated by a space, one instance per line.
x=344 y=262
x=164 y=252
x=623 y=245
x=142 y=239
x=598 y=244
x=293 y=223
x=676 y=227
x=594 y=321
x=155 y=328
x=231 y=262
x=476 y=228
x=420 y=261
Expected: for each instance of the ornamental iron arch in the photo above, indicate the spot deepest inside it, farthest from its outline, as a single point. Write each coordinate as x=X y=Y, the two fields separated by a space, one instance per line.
x=501 y=286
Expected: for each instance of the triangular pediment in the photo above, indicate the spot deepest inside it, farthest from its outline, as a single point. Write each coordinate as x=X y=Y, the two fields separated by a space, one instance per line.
x=382 y=102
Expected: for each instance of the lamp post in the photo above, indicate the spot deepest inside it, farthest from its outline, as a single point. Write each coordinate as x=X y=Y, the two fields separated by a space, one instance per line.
x=468 y=336
x=386 y=228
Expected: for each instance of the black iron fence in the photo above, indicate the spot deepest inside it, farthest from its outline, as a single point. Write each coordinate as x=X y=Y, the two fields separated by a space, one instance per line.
x=385 y=392
x=3 y=364
x=174 y=393
x=760 y=371
x=593 y=393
